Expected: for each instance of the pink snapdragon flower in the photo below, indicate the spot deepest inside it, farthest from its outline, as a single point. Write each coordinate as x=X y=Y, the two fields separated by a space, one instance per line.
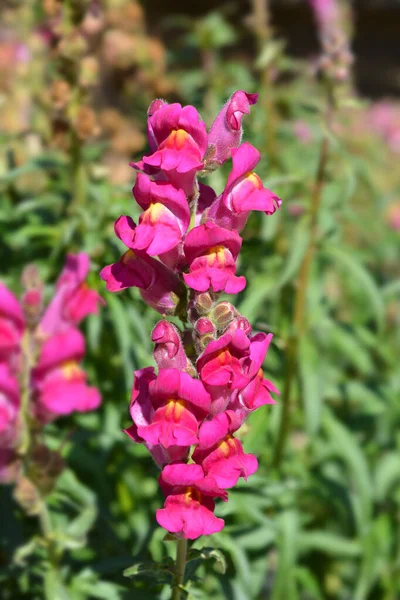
x=243 y=193
x=211 y=253
x=73 y=300
x=220 y=454
x=169 y=352
x=231 y=363
x=59 y=381
x=226 y=132
x=12 y=323
x=158 y=285
x=189 y=507
x=179 y=141
x=169 y=409
x=165 y=219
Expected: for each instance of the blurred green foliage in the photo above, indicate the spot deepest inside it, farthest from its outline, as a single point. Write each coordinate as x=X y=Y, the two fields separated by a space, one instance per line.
x=325 y=525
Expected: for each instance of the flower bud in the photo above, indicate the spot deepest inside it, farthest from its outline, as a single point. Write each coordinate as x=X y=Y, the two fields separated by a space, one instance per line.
x=86 y=125
x=89 y=72
x=204 y=333
x=32 y=299
x=204 y=326
x=222 y=314
x=60 y=94
x=169 y=352
x=239 y=323
x=27 y=496
x=204 y=303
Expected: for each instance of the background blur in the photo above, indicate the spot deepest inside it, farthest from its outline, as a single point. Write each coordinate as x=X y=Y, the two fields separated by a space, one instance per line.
x=73 y=98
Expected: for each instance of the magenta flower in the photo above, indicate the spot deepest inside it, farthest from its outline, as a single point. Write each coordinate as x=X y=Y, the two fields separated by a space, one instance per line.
x=9 y=404
x=243 y=193
x=73 y=300
x=211 y=253
x=165 y=218
x=12 y=323
x=220 y=454
x=189 y=507
x=231 y=363
x=59 y=381
x=226 y=131
x=181 y=140
x=158 y=285
x=169 y=409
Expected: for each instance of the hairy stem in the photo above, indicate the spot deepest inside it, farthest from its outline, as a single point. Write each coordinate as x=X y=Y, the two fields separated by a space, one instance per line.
x=181 y=551
x=300 y=302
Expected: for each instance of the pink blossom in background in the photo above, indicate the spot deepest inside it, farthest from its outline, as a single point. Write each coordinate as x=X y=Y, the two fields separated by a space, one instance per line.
x=384 y=118
x=73 y=300
x=9 y=404
x=326 y=11
x=393 y=216
x=303 y=132
x=53 y=348
x=12 y=323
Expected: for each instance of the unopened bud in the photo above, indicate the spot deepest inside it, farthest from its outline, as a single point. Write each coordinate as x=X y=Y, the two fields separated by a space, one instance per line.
x=204 y=303
x=204 y=326
x=27 y=496
x=73 y=46
x=89 y=72
x=239 y=323
x=222 y=314
x=86 y=125
x=60 y=93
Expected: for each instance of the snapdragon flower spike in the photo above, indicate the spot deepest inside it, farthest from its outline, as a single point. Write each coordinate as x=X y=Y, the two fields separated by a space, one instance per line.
x=165 y=219
x=211 y=253
x=243 y=193
x=189 y=506
x=12 y=323
x=168 y=408
x=230 y=363
x=59 y=381
x=226 y=132
x=181 y=140
x=169 y=352
x=158 y=285
x=73 y=299
x=9 y=405
x=221 y=454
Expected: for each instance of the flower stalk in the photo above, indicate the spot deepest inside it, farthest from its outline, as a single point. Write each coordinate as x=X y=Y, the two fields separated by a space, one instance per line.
x=300 y=303
x=181 y=554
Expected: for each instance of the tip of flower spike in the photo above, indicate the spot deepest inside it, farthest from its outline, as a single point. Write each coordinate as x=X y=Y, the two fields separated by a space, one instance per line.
x=155 y=105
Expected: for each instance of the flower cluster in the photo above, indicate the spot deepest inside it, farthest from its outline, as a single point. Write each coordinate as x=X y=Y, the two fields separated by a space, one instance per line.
x=41 y=351
x=182 y=254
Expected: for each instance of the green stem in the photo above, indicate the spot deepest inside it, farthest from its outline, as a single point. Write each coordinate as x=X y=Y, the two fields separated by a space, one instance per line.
x=181 y=551
x=300 y=316
x=79 y=177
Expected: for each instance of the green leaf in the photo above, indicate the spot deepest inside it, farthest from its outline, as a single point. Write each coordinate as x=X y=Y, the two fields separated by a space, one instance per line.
x=347 y=261
x=312 y=384
x=387 y=475
x=328 y=543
